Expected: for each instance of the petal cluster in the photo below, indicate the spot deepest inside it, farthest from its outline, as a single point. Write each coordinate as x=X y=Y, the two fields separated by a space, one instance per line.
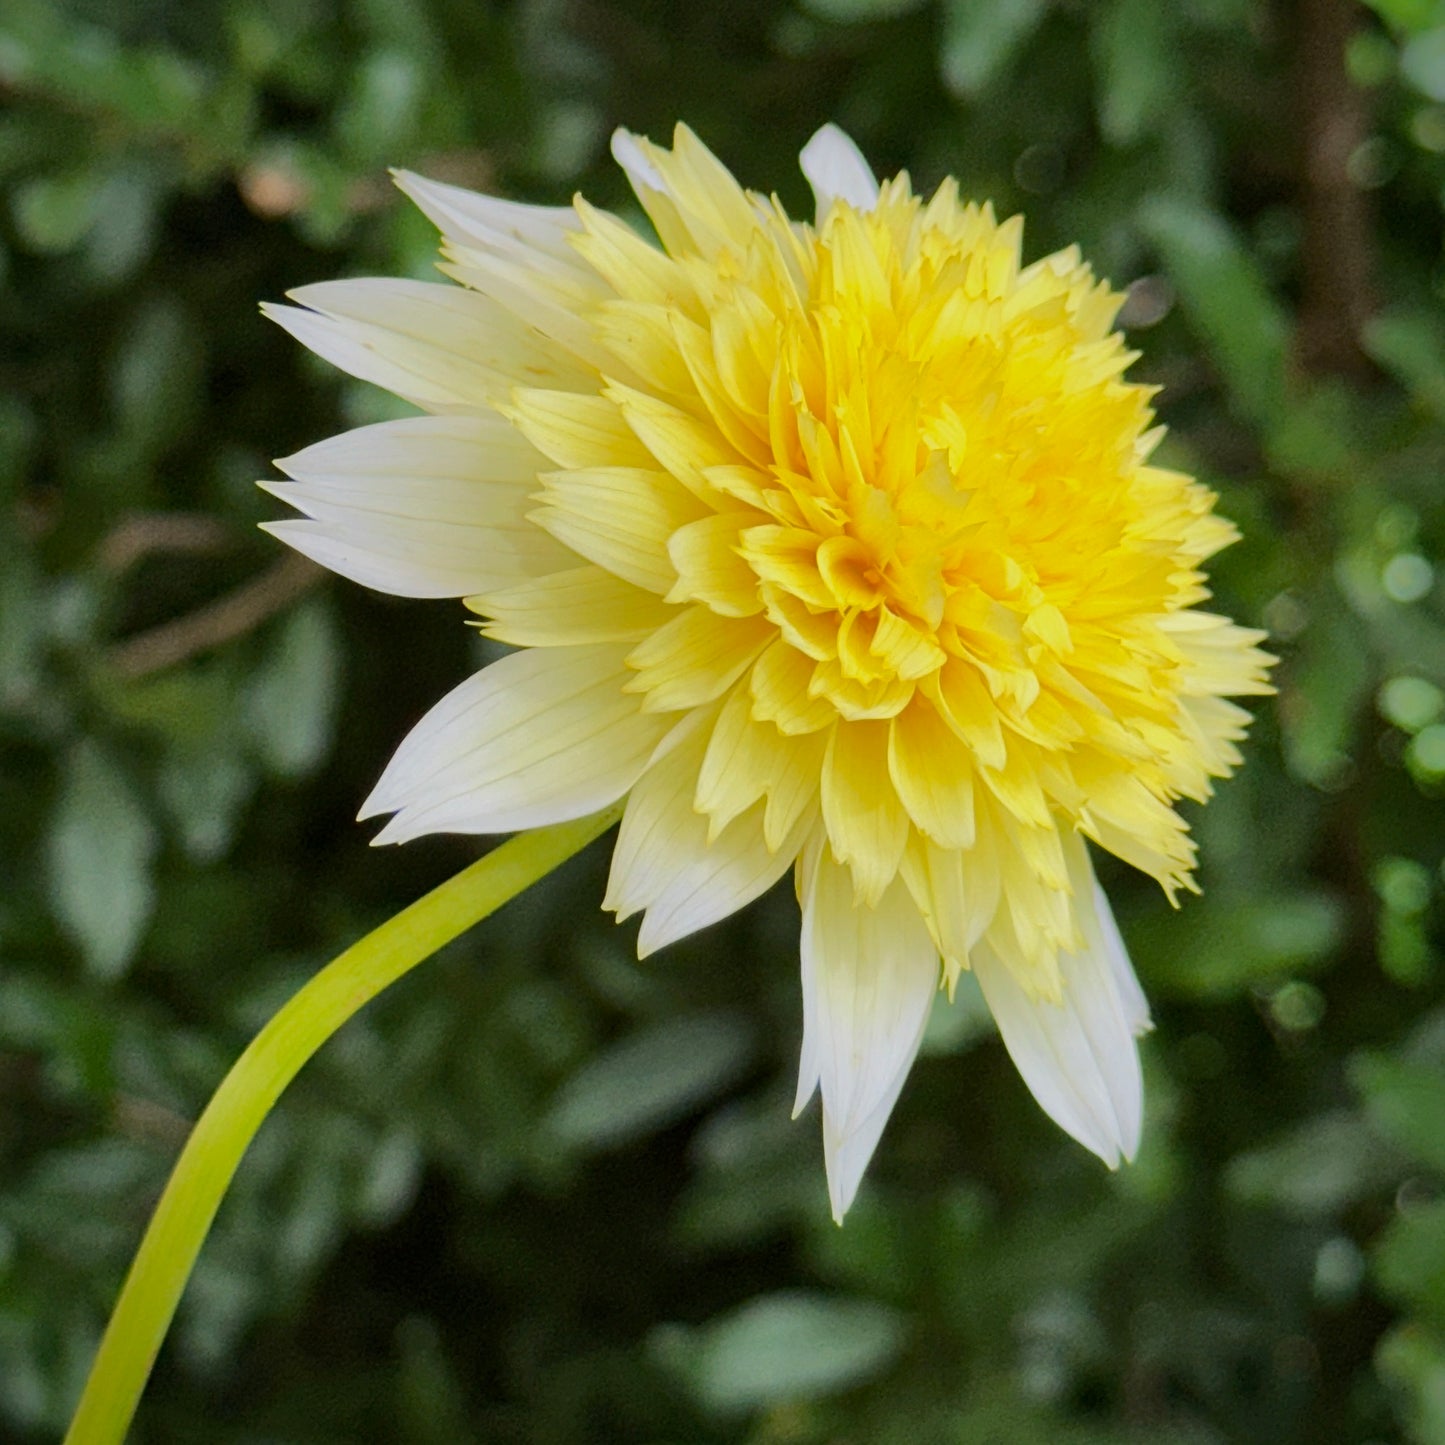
x=834 y=546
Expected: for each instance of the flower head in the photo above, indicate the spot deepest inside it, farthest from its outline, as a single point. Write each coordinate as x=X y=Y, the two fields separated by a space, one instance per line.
x=831 y=545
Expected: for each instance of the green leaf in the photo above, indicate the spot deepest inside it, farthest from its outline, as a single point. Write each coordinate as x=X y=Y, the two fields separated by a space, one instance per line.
x=1328 y=687
x=1409 y=15
x=980 y=38
x=156 y=377
x=1411 y=346
x=100 y=851
x=1422 y=62
x=56 y=213
x=20 y=628
x=1410 y=1259
x=651 y=1080
x=1224 y=295
x=1221 y=948
x=1135 y=50
x=1412 y=1360
x=203 y=789
x=291 y=705
x=380 y=113
x=1405 y=1099
x=782 y=1347
x=852 y=12
x=1322 y=1167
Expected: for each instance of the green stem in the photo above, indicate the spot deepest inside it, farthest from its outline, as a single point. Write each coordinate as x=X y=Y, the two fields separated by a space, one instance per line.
x=239 y=1107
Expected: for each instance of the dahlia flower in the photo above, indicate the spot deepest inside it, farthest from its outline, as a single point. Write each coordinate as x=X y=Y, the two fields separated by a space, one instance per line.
x=833 y=546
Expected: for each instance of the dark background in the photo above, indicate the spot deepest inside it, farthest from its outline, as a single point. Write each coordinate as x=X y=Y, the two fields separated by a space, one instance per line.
x=540 y=1192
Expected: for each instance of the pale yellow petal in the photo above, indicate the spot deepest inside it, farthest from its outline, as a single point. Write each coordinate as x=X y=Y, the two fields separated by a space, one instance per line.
x=441 y=347
x=620 y=518
x=867 y=826
x=690 y=195
x=539 y=737
x=576 y=431
x=933 y=775
x=710 y=568
x=747 y=760
x=779 y=685
x=582 y=604
x=695 y=658
x=682 y=444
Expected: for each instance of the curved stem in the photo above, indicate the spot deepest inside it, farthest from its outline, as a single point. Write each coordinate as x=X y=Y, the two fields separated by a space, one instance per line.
x=239 y=1107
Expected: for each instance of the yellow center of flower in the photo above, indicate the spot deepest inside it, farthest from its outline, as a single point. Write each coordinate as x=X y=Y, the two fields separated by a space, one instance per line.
x=941 y=448
x=894 y=498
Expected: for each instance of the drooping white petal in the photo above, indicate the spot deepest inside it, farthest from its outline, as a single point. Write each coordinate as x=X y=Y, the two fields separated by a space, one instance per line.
x=663 y=862
x=432 y=506
x=1131 y=995
x=836 y=170
x=804 y=877
x=539 y=737
x=1101 y=932
x=869 y=979
x=441 y=347
x=1078 y=1056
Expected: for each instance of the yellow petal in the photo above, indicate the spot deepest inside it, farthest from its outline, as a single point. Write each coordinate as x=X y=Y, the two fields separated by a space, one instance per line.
x=583 y=604
x=779 y=685
x=576 y=431
x=681 y=443
x=695 y=658
x=867 y=826
x=966 y=705
x=709 y=567
x=620 y=518
x=747 y=760
x=932 y=772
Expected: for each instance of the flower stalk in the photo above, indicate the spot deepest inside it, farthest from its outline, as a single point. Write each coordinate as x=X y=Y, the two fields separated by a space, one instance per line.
x=245 y=1097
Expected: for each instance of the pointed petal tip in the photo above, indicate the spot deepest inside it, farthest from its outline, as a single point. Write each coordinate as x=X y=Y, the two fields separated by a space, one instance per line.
x=845 y=1164
x=370 y=808
x=628 y=153
x=837 y=170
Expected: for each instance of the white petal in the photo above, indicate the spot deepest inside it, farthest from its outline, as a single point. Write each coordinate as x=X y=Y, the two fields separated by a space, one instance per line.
x=836 y=170
x=423 y=507
x=664 y=863
x=1131 y=995
x=1101 y=933
x=489 y=223
x=521 y=258
x=628 y=153
x=539 y=737
x=1077 y=1056
x=442 y=347
x=869 y=976
x=808 y=1054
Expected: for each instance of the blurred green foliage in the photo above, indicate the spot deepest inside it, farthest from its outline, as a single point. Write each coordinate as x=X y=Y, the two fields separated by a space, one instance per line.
x=541 y=1192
